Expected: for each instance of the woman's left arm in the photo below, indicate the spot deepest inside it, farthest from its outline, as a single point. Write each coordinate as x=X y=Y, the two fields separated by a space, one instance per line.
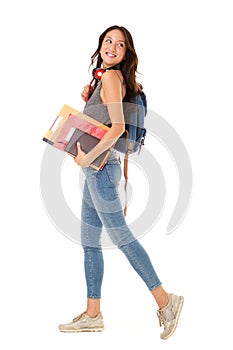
x=111 y=94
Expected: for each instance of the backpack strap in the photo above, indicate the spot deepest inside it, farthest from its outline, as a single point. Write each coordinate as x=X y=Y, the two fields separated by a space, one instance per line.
x=126 y=181
x=126 y=158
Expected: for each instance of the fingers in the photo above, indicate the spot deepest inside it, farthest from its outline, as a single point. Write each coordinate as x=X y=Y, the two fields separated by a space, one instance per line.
x=86 y=87
x=77 y=158
x=79 y=147
x=80 y=154
x=85 y=92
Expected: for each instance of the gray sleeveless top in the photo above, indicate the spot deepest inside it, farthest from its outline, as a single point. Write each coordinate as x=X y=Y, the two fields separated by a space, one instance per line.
x=95 y=108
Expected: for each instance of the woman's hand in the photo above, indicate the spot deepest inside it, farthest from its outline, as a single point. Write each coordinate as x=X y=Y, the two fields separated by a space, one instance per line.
x=78 y=159
x=85 y=92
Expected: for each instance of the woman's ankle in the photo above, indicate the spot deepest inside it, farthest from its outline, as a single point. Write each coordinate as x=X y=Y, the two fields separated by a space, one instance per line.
x=161 y=297
x=92 y=314
x=93 y=307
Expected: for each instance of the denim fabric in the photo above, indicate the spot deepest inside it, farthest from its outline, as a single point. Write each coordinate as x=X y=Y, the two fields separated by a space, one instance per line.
x=101 y=206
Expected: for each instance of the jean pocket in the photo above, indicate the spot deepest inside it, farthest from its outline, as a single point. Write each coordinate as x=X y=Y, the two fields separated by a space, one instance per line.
x=114 y=172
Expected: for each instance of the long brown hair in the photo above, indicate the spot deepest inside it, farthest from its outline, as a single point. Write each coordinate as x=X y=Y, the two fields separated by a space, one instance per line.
x=128 y=65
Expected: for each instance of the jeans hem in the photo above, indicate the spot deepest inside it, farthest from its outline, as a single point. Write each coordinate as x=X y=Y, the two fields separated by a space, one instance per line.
x=155 y=286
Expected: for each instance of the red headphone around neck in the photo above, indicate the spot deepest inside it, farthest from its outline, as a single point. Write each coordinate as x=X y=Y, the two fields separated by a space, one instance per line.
x=98 y=72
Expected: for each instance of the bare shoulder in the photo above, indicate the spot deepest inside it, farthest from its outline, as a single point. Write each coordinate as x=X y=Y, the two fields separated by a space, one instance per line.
x=112 y=76
x=112 y=86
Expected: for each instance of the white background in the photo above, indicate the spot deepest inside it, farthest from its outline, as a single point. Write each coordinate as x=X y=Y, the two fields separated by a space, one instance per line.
x=185 y=53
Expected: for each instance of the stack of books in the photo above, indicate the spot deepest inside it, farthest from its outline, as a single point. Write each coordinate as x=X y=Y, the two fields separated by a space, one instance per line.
x=71 y=126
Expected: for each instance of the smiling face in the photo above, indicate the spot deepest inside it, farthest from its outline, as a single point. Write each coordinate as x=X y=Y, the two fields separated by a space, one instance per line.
x=113 y=48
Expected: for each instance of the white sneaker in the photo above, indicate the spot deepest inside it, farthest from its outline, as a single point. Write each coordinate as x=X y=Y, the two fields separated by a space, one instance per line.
x=84 y=323
x=169 y=315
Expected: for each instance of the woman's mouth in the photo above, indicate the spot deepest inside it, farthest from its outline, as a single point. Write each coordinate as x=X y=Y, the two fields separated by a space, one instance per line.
x=110 y=55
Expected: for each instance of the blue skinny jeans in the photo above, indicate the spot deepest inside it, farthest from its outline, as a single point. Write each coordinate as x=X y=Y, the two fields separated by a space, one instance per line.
x=101 y=207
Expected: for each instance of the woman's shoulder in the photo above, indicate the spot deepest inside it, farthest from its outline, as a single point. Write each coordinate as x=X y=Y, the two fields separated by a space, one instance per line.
x=113 y=75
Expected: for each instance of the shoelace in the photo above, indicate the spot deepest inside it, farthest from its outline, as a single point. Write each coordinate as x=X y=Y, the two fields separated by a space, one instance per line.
x=78 y=317
x=162 y=318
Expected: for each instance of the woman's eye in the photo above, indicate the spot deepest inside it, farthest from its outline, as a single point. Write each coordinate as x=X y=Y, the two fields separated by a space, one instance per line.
x=121 y=45
x=108 y=41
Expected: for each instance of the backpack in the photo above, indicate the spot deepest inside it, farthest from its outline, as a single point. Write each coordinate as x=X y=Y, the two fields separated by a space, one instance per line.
x=133 y=138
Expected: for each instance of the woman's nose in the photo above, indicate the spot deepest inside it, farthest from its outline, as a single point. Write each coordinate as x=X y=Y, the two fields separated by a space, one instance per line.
x=113 y=46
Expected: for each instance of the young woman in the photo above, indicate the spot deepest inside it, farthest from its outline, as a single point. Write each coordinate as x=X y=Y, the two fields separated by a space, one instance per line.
x=101 y=205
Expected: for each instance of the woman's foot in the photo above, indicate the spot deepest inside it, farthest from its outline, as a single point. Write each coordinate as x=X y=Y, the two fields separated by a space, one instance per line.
x=169 y=315
x=84 y=323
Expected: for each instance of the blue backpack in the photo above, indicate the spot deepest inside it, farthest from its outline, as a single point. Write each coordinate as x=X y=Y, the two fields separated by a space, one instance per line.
x=133 y=138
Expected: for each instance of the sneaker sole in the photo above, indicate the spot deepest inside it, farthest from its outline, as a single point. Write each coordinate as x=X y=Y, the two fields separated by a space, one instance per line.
x=100 y=329
x=176 y=319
